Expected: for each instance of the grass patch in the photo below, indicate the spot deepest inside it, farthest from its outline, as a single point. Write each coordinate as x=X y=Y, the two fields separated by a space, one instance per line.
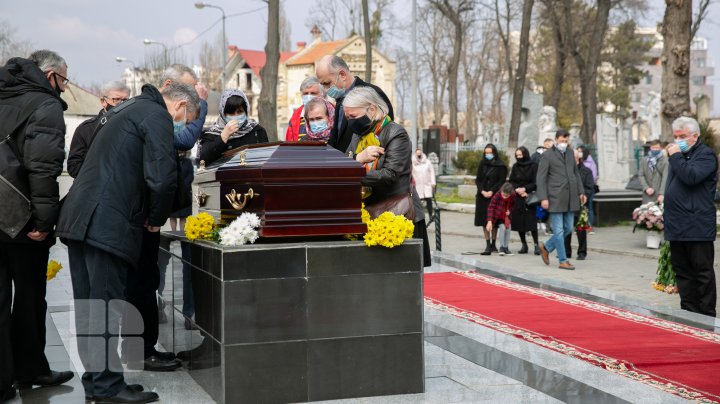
x=453 y=197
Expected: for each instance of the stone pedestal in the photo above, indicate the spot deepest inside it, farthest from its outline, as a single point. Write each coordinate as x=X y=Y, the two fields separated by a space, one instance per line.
x=294 y=322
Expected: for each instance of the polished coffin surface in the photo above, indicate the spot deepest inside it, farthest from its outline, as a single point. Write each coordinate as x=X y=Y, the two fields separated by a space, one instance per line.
x=297 y=189
x=304 y=321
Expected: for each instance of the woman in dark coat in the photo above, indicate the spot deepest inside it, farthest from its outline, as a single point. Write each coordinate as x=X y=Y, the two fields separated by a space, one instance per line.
x=232 y=129
x=491 y=174
x=522 y=177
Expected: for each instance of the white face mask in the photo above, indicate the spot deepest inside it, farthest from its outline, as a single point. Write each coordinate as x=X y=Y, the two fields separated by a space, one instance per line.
x=561 y=146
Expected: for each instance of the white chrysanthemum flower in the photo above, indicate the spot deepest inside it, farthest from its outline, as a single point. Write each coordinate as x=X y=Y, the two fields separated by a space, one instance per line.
x=241 y=230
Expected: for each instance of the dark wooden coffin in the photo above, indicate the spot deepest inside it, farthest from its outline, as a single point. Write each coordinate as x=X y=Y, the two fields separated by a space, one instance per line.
x=297 y=189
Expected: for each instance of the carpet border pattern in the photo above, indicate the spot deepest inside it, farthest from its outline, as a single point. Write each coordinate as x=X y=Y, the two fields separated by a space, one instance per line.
x=613 y=365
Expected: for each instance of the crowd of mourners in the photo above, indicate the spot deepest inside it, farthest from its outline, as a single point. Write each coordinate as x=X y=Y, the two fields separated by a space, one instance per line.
x=133 y=169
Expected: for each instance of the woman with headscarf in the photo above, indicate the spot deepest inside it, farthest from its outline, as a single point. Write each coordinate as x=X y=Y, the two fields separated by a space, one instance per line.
x=319 y=115
x=522 y=177
x=491 y=174
x=232 y=129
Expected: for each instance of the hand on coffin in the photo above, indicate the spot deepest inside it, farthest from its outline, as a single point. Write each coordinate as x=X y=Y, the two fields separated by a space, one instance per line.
x=229 y=129
x=370 y=154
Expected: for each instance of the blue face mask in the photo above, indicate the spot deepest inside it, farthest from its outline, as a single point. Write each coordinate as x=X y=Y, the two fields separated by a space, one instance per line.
x=489 y=157
x=683 y=145
x=240 y=118
x=306 y=98
x=179 y=125
x=655 y=153
x=318 y=126
x=334 y=92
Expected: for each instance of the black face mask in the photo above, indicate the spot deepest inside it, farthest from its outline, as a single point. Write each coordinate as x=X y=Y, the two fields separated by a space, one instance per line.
x=361 y=126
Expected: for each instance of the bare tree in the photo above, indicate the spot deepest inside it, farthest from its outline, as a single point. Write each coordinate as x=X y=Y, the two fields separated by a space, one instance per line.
x=285 y=32
x=587 y=56
x=454 y=11
x=560 y=52
x=703 y=9
x=368 y=41
x=479 y=40
x=267 y=102
x=519 y=84
x=676 y=30
x=10 y=46
x=210 y=58
x=433 y=44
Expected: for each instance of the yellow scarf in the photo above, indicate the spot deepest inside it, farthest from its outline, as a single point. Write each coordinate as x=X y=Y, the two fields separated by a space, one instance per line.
x=371 y=139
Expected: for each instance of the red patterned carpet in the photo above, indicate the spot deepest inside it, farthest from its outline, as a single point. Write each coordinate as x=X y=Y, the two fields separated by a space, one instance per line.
x=673 y=357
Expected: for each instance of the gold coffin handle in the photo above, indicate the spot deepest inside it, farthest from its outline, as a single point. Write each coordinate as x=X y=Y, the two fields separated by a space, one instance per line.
x=201 y=198
x=238 y=201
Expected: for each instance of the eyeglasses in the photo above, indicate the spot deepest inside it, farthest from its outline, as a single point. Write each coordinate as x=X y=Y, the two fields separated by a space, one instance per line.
x=64 y=80
x=116 y=100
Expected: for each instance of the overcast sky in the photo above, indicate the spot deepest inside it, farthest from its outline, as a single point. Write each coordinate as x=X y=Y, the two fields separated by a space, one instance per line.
x=89 y=34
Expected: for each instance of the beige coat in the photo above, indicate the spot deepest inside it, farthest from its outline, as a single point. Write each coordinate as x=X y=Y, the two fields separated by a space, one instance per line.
x=424 y=176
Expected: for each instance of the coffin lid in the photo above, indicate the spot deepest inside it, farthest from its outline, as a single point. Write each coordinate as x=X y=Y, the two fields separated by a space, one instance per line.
x=296 y=160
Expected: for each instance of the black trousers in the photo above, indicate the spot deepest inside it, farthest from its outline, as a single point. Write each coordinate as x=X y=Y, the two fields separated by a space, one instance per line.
x=98 y=280
x=582 y=243
x=420 y=232
x=692 y=262
x=22 y=331
x=142 y=286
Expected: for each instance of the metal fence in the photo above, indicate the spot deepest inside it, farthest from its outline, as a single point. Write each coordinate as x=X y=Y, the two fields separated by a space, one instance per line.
x=448 y=151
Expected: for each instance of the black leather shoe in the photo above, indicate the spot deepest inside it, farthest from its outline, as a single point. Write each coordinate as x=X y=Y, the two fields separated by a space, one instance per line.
x=128 y=395
x=157 y=364
x=581 y=257
x=8 y=394
x=168 y=356
x=53 y=379
x=136 y=387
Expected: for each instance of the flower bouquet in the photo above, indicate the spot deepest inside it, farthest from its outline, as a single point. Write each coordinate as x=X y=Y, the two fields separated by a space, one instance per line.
x=240 y=231
x=649 y=217
x=583 y=223
x=665 y=280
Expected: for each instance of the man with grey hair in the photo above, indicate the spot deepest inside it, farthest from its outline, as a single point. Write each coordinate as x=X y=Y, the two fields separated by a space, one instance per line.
x=309 y=89
x=112 y=94
x=32 y=151
x=336 y=78
x=690 y=218
x=124 y=189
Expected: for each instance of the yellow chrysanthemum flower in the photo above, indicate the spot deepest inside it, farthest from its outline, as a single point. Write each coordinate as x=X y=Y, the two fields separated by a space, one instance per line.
x=53 y=267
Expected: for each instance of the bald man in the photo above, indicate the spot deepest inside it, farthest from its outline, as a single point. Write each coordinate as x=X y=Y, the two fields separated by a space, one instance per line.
x=335 y=77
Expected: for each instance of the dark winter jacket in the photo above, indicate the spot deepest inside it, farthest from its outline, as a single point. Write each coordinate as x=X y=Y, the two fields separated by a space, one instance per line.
x=212 y=147
x=81 y=140
x=490 y=176
x=128 y=179
x=689 y=209
x=392 y=175
x=586 y=176
x=341 y=135
x=523 y=175
x=40 y=141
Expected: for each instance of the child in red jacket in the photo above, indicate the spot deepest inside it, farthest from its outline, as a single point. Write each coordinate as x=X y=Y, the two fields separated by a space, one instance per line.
x=499 y=211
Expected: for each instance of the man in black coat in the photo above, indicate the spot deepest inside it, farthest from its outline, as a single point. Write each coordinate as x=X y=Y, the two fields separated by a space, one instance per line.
x=125 y=185
x=38 y=147
x=334 y=75
x=113 y=93
x=690 y=216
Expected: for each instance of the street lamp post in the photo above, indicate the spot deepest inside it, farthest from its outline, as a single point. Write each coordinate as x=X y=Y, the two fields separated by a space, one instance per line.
x=200 y=6
x=121 y=59
x=165 y=49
